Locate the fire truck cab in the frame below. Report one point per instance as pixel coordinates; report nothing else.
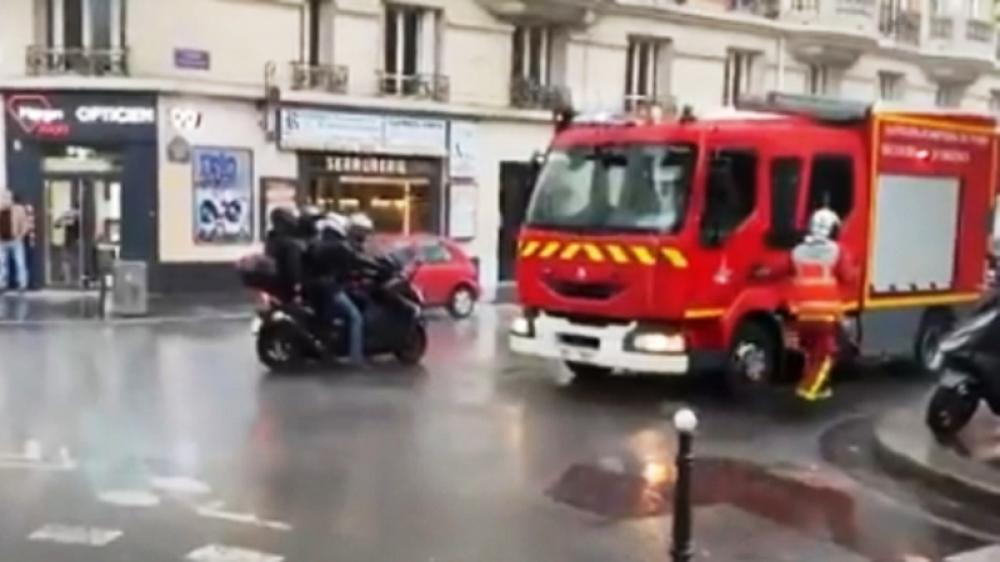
(657, 247)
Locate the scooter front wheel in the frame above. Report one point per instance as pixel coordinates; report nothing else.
(280, 349)
(950, 409)
(413, 348)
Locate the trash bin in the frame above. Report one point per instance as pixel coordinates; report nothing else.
(130, 293)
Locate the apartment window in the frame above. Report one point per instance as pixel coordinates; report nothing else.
(647, 70)
(411, 47)
(83, 24)
(739, 77)
(532, 52)
(890, 86)
(949, 95)
(820, 80)
(995, 101)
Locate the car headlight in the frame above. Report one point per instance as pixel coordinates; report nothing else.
(521, 326)
(658, 343)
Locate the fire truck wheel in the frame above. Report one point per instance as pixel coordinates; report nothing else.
(753, 360)
(936, 323)
(583, 373)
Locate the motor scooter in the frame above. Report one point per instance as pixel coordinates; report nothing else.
(968, 363)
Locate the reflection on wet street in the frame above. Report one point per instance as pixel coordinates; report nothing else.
(160, 442)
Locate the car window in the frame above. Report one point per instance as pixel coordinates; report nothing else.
(435, 252)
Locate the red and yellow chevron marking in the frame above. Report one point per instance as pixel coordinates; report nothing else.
(618, 254)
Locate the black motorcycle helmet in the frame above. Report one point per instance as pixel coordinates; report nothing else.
(308, 222)
(284, 221)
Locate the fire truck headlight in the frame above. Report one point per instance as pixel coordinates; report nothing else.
(658, 343)
(521, 326)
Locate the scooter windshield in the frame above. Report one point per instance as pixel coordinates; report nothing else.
(969, 329)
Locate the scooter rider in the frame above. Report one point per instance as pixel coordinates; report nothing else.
(284, 245)
(332, 260)
(359, 228)
(820, 266)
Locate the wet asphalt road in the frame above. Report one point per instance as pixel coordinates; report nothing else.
(477, 457)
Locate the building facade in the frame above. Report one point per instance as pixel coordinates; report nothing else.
(166, 131)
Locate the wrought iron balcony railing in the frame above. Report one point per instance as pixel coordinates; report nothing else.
(435, 87)
(42, 60)
(526, 93)
(323, 77)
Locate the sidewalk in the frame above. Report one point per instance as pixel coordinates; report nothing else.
(59, 307)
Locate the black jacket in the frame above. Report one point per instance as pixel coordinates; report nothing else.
(288, 253)
(330, 262)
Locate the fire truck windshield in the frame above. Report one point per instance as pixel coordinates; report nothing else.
(634, 188)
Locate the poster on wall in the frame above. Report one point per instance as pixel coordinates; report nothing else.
(462, 208)
(276, 193)
(223, 191)
(463, 149)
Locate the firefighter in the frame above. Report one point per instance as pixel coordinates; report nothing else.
(820, 266)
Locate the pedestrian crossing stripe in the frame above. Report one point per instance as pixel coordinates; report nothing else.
(595, 252)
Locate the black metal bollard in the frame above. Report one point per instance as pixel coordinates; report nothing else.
(685, 422)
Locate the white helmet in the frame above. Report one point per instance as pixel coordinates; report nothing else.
(822, 223)
(333, 223)
(361, 222)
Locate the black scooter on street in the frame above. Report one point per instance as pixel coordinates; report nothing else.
(968, 362)
(292, 334)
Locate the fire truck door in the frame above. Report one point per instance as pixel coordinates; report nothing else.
(728, 234)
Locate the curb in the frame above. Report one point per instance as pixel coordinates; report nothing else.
(112, 322)
(904, 446)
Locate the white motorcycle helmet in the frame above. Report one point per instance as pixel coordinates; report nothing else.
(359, 227)
(823, 223)
(333, 225)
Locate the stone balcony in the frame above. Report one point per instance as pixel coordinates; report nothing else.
(831, 32)
(563, 12)
(958, 49)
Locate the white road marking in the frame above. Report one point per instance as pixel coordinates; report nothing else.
(129, 498)
(73, 534)
(215, 510)
(222, 553)
(31, 458)
(180, 485)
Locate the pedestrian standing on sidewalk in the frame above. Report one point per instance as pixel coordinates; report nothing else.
(13, 232)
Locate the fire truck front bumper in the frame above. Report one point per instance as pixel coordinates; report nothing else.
(618, 347)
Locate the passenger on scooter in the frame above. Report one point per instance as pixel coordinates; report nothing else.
(359, 228)
(332, 260)
(287, 249)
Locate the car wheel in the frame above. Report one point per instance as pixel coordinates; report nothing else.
(752, 364)
(462, 302)
(935, 325)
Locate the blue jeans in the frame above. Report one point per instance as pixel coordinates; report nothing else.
(356, 324)
(13, 251)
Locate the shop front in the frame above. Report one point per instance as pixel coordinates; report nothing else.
(391, 168)
(86, 163)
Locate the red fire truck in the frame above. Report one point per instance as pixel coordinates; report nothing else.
(647, 246)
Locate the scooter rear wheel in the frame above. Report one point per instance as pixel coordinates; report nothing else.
(950, 409)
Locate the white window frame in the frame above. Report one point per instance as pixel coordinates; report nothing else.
(819, 80)
(55, 20)
(656, 71)
(527, 33)
(740, 76)
(994, 108)
(428, 42)
(890, 86)
(949, 96)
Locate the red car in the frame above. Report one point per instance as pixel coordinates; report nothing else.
(446, 276)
